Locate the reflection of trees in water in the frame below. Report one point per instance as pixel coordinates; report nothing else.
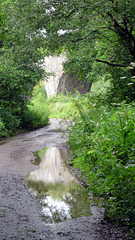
(59, 193)
(76, 205)
(55, 190)
(53, 213)
(57, 217)
(38, 187)
(79, 203)
(39, 156)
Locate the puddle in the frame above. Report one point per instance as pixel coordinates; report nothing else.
(39, 155)
(60, 195)
(2, 143)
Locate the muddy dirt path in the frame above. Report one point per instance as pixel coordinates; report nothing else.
(20, 213)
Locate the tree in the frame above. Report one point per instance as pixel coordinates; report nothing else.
(20, 55)
(105, 28)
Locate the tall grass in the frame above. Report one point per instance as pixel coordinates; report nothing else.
(62, 106)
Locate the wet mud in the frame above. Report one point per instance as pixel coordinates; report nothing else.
(20, 212)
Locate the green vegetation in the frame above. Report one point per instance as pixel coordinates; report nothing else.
(98, 38)
(103, 147)
(21, 43)
(63, 107)
(38, 110)
(102, 143)
(20, 52)
(32, 116)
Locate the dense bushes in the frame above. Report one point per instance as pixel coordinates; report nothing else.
(3, 131)
(35, 116)
(103, 147)
(15, 121)
(9, 122)
(27, 117)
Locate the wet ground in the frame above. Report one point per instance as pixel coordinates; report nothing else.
(23, 214)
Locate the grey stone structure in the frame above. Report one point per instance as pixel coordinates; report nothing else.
(58, 81)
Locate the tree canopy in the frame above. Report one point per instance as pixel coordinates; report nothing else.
(20, 55)
(98, 36)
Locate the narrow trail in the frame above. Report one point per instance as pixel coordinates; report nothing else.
(20, 213)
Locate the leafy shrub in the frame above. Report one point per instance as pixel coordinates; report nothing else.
(36, 115)
(18, 119)
(11, 122)
(39, 94)
(3, 132)
(103, 147)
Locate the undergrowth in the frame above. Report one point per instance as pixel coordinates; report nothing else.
(62, 106)
(102, 142)
(31, 116)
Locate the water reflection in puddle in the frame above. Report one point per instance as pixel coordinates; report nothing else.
(59, 193)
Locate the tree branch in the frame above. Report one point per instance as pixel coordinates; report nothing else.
(112, 64)
(70, 14)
